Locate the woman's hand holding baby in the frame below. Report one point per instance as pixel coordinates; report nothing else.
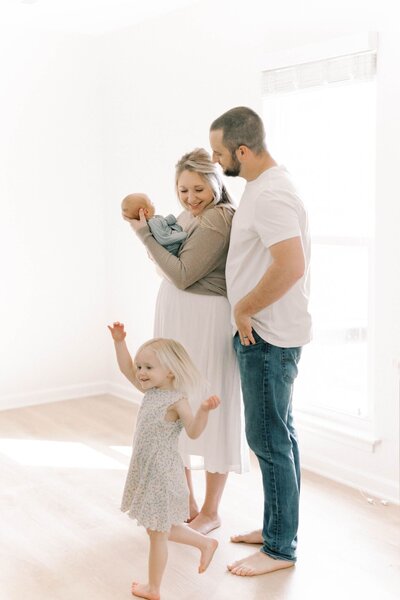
(137, 224)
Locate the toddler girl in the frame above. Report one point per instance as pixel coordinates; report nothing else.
(156, 492)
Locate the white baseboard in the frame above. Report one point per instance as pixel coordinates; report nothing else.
(367, 483)
(124, 392)
(68, 392)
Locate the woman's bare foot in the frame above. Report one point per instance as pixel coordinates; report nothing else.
(142, 590)
(193, 510)
(258, 564)
(207, 553)
(205, 523)
(192, 516)
(253, 537)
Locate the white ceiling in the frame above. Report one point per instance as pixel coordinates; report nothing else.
(84, 16)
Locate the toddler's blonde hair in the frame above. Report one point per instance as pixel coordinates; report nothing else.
(174, 357)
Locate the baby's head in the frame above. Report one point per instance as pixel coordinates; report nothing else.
(133, 203)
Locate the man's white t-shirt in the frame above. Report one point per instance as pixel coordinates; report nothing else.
(270, 211)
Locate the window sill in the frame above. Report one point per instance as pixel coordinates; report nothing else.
(363, 439)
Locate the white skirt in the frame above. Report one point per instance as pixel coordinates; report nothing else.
(202, 325)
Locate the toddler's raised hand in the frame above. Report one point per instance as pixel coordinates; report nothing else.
(117, 331)
(211, 403)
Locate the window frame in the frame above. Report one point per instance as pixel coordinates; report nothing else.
(335, 425)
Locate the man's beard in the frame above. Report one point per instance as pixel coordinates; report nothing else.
(234, 168)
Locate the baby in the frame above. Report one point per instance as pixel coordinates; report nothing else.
(166, 230)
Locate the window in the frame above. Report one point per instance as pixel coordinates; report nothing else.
(320, 122)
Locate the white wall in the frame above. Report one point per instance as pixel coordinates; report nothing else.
(142, 97)
(387, 291)
(52, 302)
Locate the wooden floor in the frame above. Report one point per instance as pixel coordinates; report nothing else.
(62, 536)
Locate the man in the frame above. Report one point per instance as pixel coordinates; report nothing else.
(267, 276)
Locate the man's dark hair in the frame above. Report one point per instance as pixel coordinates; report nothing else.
(241, 126)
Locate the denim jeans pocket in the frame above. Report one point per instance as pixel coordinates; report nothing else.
(258, 338)
(251, 347)
(289, 360)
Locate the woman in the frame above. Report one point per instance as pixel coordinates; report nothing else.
(192, 308)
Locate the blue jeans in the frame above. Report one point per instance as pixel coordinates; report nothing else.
(267, 374)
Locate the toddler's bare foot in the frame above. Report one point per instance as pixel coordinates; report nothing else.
(205, 523)
(253, 537)
(207, 553)
(142, 590)
(258, 564)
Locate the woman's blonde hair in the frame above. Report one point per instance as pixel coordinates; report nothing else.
(173, 356)
(199, 161)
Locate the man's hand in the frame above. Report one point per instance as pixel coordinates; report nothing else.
(243, 324)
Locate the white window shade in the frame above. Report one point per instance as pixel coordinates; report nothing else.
(353, 67)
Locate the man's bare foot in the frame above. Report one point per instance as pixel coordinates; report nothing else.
(204, 523)
(253, 537)
(258, 564)
(142, 590)
(207, 553)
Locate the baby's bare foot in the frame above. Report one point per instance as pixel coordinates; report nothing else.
(253, 537)
(258, 564)
(204, 523)
(207, 553)
(142, 590)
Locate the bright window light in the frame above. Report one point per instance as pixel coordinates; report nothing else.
(325, 136)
